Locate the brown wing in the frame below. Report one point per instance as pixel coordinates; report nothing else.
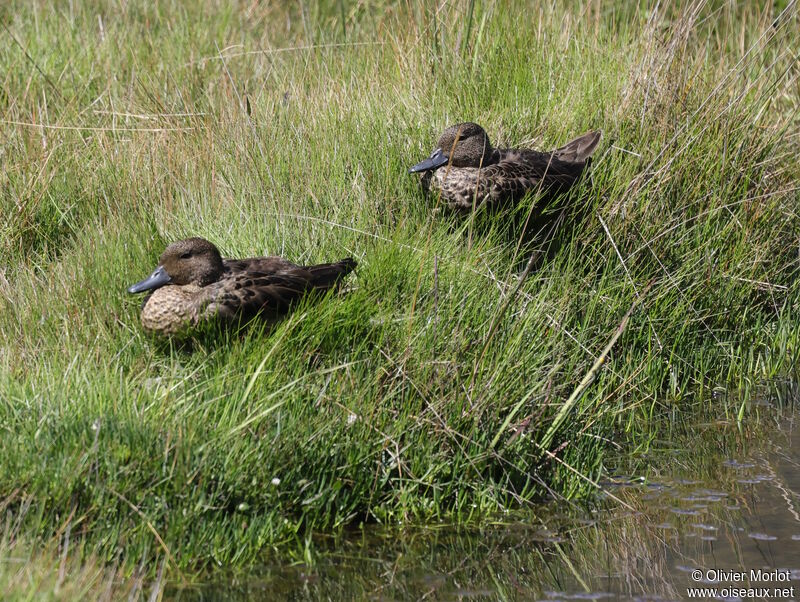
(269, 286)
(579, 149)
(265, 265)
(327, 275)
(519, 172)
(249, 293)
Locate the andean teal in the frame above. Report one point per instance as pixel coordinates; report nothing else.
(194, 284)
(468, 171)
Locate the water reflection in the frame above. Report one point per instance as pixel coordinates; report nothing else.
(724, 500)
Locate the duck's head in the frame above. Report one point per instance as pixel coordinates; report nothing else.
(189, 261)
(460, 145)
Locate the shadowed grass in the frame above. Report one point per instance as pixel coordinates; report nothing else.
(429, 390)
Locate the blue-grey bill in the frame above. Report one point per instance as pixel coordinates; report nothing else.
(158, 278)
(437, 159)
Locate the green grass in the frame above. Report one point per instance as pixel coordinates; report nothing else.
(289, 131)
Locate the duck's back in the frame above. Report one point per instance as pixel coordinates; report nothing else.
(268, 286)
(263, 265)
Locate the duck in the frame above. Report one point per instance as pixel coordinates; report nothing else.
(193, 284)
(469, 172)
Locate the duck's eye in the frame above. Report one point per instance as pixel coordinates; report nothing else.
(186, 255)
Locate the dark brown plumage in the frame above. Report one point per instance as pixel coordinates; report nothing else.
(193, 284)
(468, 171)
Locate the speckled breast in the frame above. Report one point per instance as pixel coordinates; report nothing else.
(460, 187)
(172, 309)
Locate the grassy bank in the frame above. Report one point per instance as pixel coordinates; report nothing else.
(443, 384)
(608, 550)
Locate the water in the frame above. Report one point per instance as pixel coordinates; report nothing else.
(722, 499)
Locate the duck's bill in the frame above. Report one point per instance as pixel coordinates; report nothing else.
(437, 159)
(158, 278)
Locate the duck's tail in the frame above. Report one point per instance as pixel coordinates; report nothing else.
(580, 149)
(326, 275)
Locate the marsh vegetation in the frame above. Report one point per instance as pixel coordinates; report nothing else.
(465, 372)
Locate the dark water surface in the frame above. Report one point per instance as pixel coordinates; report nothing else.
(720, 498)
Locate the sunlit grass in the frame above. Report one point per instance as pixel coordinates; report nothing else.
(424, 392)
